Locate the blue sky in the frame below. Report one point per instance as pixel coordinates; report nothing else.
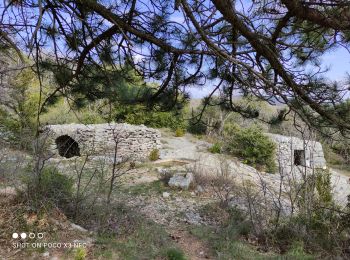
(339, 63)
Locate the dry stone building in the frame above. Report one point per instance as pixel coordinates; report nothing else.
(69, 140)
(295, 154)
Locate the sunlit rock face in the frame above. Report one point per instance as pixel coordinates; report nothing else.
(297, 155)
(70, 140)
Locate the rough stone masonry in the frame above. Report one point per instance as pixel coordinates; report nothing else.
(69, 140)
(295, 154)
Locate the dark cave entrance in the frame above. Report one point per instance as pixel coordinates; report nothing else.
(67, 146)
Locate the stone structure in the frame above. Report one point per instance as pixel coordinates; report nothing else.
(69, 140)
(295, 154)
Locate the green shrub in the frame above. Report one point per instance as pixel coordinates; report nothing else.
(179, 132)
(324, 186)
(50, 187)
(297, 252)
(197, 128)
(215, 148)
(80, 254)
(332, 158)
(175, 254)
(62, 113)
(138, 114)
(90, 117)
(230, 129)
(254, 147)
(154, 155)
(239, 221)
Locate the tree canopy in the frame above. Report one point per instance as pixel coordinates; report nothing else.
(270, 49)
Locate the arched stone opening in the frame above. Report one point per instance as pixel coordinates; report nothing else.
(67, 146)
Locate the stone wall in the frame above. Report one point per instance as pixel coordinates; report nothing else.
(132, 141)
(288, 148)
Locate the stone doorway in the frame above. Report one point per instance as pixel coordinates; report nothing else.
(299, 158)
(67, 146)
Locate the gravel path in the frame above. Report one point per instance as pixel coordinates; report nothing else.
(182, 148)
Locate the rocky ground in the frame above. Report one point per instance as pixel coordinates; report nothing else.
(191, 149)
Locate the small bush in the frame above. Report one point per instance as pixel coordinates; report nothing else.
(138, 114)
(285, 234)
(50, 187)
(254, 147)
(297, 252)
(230, 129)
(324, 186)
(197, 128)
(214, 213)
(239, 220)
(90, 117)
(175, 254)
(332, 158)
(223, 184)
(179, 132)
(154, 155)
(215, 148)
(202, 176)
(80, 254)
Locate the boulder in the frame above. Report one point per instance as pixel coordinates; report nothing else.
(199, 189)
(193, 218)
(77, 228)
(166, 194)
(182, 182)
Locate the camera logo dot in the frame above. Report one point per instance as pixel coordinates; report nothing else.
(23, 235)
(14, 235)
